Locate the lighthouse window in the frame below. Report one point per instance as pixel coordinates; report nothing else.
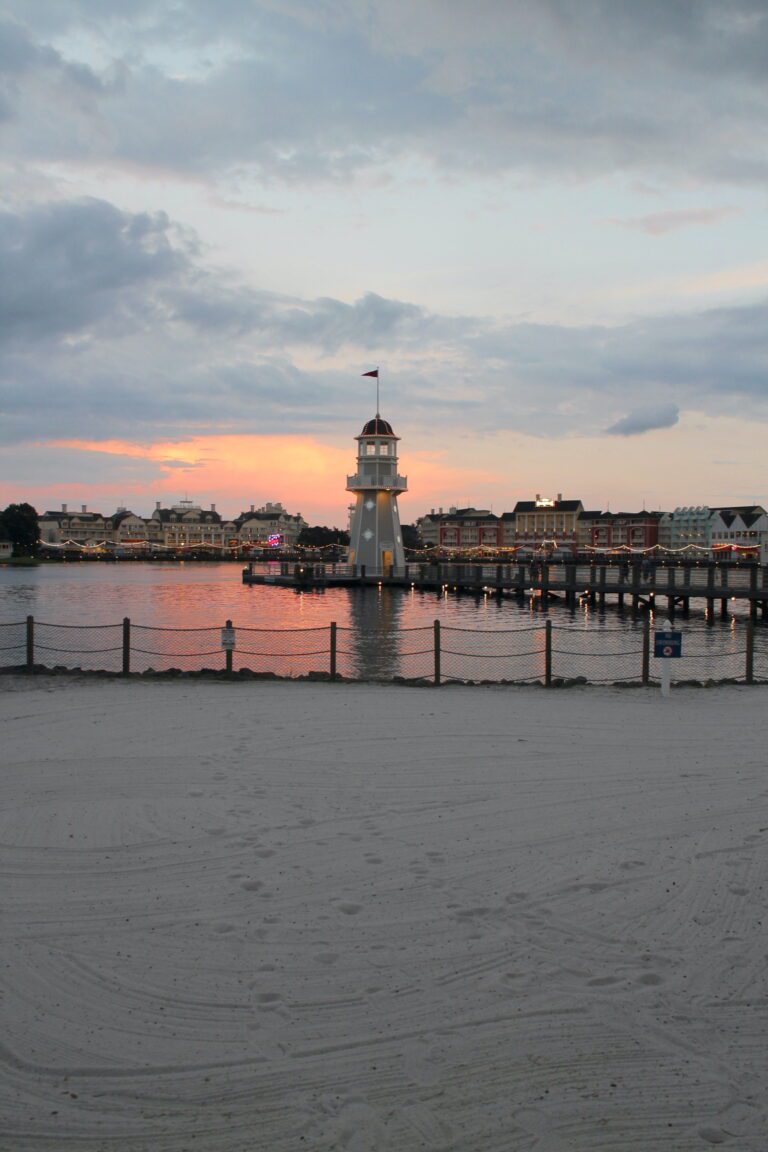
(384, 449)
(370, 449)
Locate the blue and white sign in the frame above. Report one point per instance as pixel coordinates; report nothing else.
(667, 645)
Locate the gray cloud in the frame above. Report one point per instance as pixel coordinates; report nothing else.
(112, 329)
(301, 91)
(67, 267)
(642, 420)
(59, 465)
(326, 324)
(659, 223)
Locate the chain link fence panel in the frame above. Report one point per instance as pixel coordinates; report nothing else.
(761, 662)
(13, 645)
(601, 657)
(77, 647)
(180, 649)
(381, 654)
(287, 652)
(501, 656)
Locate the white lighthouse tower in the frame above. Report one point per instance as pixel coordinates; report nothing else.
(375, 539)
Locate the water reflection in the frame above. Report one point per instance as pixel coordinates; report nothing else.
(371, 641)
(18, 600)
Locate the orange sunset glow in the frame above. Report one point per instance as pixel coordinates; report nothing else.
(305, 474)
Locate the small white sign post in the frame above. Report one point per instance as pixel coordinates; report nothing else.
(228, 644)
(667, 646)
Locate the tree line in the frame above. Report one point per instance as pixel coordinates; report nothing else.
(18, 526)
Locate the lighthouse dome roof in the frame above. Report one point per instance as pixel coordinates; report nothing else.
(377, 427)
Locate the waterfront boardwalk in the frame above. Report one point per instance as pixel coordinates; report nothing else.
(641, 586)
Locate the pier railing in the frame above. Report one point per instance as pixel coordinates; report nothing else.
(378, 480)
(543, 653)
(641, 585)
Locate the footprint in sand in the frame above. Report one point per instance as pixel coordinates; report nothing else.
(478, 913)
(713, 1135)
(650, 979)
(267, 998)
(349, 908)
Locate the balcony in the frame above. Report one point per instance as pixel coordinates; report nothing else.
(377, 483)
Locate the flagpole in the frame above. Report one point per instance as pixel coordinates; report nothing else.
(375, 372)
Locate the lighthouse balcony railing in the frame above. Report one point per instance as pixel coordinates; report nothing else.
(384, 483)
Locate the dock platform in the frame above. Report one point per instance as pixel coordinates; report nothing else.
(640, 585)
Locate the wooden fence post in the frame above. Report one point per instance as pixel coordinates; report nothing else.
(646, 673)
(126, 646)
(437, 652)
(30, 644)
(228, 653)
(548, 654)
(333, 649)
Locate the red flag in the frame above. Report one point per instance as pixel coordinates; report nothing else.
(374, 373)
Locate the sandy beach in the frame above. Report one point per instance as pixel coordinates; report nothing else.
(267, 916)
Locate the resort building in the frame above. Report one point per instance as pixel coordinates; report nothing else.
(461, 528)
(127, 528)
(545, 524)
(739, 530)
(711, 530)
(685, 527)
(269, 526)
(585, 529)
(186, 523)
(539, 525)
(83, 527)
(637, 531)
(427, 526)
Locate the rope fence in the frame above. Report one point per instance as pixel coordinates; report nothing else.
(433, 654)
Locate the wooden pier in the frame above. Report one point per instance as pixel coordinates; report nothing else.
(663, 587)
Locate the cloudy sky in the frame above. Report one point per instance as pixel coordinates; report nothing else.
(546, 222)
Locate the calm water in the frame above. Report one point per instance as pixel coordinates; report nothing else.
(382, 632)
